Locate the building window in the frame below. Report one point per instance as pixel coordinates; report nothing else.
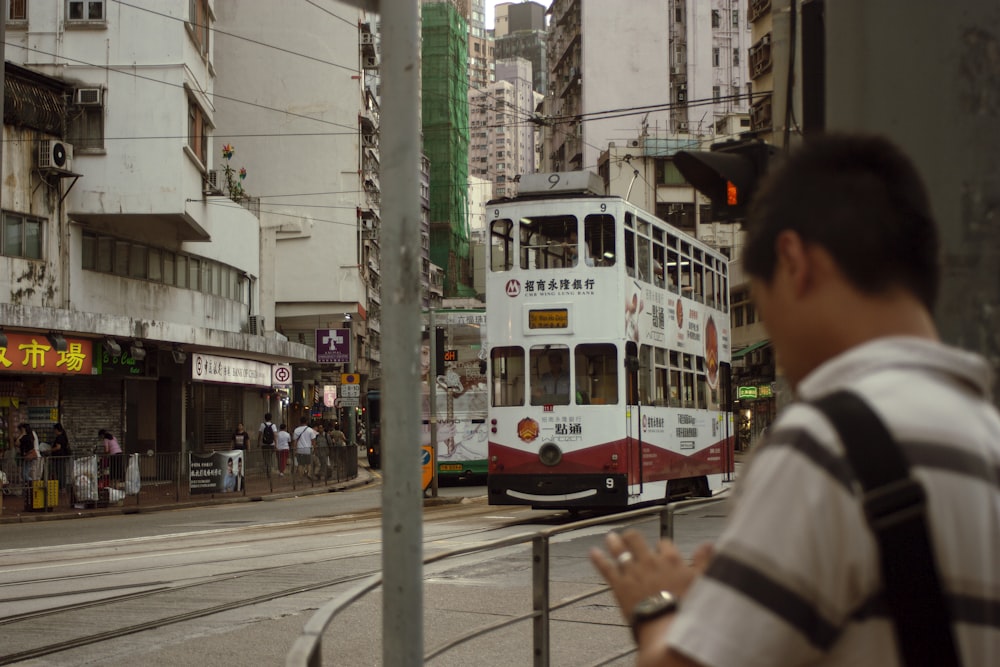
(86, 127)
(17, 10)
(197, 132)
(678, 14)
(85, 10)
(199, 25)
(105, 254)
(22, 236)
(716, 93)
(716, 58)
(736, 18)
(736, 56)
(716, 18)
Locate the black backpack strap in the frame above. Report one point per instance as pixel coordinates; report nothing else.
(895, 505)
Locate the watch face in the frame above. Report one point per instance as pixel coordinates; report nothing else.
(662, 602)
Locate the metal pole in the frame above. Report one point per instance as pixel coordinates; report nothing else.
(540, 600)
(3, 81)
(432, 398)
(402, 495)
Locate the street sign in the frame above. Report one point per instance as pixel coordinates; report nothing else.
(282, 375)
(344, 402)
(350, 391)
(350, 378)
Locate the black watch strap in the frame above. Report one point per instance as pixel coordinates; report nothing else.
(654, 606)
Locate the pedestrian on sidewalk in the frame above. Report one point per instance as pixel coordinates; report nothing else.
(320, 465)
(59, 454)
(241, 439)
(267, 442)
(114, 458)
(282, 440)
(303, 439)
(843, 258)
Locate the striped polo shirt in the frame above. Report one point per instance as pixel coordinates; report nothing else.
(795, 579)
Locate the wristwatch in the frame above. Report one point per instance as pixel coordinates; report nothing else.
(654, 606)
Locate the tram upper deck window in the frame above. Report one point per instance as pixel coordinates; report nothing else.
(642, 259)
(507, 376)
(599, 238)
(501, 245)
(548, 242)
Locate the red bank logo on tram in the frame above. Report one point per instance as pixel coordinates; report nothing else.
(513, 287)
(527, 429)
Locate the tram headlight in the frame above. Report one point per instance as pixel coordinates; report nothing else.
(550, 454)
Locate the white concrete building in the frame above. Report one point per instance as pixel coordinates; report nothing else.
(663, 66)
(309, 145)
(112, 243)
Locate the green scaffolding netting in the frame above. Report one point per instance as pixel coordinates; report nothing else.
(445, 107)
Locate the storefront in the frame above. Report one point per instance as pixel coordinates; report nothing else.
(35, 371)
(224, 392)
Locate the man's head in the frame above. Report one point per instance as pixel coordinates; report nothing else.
(267, 416)
(859, 198)
(841, 249)
(555, 362)
(303, 419)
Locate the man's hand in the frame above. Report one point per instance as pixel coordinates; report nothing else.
(635, 572)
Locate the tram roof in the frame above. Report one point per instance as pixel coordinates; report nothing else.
(560, 184)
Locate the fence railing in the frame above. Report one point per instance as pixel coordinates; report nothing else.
(307, 651)
(55, 483)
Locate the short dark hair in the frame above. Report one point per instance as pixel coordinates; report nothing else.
(303, 419)
(267, 416)
(862, 200)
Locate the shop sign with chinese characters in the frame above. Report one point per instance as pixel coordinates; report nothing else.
(33, 353)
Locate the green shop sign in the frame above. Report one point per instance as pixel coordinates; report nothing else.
(747, 392)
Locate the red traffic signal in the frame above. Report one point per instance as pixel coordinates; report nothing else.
(727, 175)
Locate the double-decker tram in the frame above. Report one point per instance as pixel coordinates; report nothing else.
(609, 350)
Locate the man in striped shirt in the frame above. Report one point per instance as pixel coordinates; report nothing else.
(843, 257)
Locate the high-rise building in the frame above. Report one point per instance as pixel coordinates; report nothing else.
(315, 146)
(520, 33)
(502, 138)
(612, 73)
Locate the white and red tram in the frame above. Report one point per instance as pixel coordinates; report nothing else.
(609, 346)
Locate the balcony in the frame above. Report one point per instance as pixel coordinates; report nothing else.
(760, 57)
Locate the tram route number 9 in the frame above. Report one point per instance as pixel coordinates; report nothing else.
(609, 482)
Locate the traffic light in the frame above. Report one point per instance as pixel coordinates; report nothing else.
(439, 344)
(727, 175)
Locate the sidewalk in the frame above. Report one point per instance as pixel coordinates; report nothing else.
(157, 496)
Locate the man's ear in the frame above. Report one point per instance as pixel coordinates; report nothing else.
(794, 260)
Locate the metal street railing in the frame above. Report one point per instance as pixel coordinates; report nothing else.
(308, 647)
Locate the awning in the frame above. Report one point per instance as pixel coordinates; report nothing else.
(750, 348)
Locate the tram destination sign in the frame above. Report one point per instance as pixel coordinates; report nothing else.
(548, 318)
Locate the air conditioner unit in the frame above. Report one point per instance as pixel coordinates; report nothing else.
(215, 181)
(682, 126)
(54, 155)
(371, 62)
(88, 97)
(255, 325)
(367, 38)
(675, 70)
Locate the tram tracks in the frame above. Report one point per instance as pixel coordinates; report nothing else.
(165, 602)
